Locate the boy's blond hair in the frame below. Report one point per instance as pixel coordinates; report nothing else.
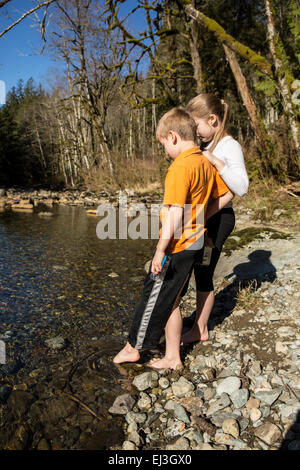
(177, 120)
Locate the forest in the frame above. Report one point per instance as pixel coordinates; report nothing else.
(127, 62)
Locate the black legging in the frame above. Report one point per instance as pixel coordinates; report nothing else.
(219, 227)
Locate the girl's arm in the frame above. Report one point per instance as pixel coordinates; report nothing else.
(233, 170)
(217, 204)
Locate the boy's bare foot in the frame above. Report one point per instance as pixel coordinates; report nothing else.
(194, 335)
(127, 354)
(164, 363)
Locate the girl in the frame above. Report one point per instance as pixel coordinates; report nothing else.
(225, 153)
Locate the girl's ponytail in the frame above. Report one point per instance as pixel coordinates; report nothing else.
(220, 134)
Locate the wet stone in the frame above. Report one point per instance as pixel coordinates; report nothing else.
(122, 404)
(145, 380)
(56, 343)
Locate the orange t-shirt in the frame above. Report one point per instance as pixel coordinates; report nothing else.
(189, 183)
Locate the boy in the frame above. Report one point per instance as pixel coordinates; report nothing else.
(189, 183)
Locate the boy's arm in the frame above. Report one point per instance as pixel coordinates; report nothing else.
(217, 204)
(171, 223)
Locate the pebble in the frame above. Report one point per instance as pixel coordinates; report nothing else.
(255, 414)
(181, 414)
(145, 380)
(268, 397)
(56, 343)
(269, 433)
(122, 404)
(253, 403)
(181, 444)
(239, 397)
(229, 385)
(230, 426)
(182, 387)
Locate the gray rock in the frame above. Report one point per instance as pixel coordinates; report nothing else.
(288, 412)
(144, 402)
(243, 423)
(265, 411)
(182, 386)
(239, 397)
(181, 444)
(268, 396)
(238, 444)
(122, 404)
(193, 435)
(229, 385)
(56, 343)
(145, 380)
(180, 413)
(163, 383)
(218, 404)
(175, 429)
(127, 445)
(132, 417)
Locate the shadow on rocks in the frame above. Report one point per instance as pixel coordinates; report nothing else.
(251, 275)
(291, 440)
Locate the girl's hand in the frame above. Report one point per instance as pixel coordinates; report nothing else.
(157, 261)
(210, 156)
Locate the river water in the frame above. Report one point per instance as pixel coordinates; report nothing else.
(55, 280)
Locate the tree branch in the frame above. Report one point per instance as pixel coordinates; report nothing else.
(29, 12)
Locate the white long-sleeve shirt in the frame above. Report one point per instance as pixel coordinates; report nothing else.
(234, 172)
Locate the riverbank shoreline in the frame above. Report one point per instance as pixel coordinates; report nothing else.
(255, 315)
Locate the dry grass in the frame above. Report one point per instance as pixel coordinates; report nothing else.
(266, 196)
(249, 298)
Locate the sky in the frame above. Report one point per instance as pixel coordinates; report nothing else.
(19, 48)
(20, 56)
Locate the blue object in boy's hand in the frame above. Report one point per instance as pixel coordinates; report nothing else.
(154, 276)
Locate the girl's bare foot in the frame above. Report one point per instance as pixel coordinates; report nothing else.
(127, 354)
(164, 363)
(194, 335)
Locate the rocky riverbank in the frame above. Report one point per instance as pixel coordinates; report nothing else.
(29, 199)
(239, 390)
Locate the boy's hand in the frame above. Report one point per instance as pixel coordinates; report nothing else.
(157, 261)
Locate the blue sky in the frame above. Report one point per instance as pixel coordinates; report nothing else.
(19, 48)
(19, 57)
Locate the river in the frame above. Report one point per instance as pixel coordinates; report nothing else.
(58, 278)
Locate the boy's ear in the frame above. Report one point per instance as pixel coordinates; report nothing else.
(173, 137)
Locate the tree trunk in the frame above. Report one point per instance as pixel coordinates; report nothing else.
(244, 51)
(196, 61)
(257, 123)
(273, 40)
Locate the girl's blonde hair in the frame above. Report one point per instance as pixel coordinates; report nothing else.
(205, 104)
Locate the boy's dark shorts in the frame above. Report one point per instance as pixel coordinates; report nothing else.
(158, 298)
